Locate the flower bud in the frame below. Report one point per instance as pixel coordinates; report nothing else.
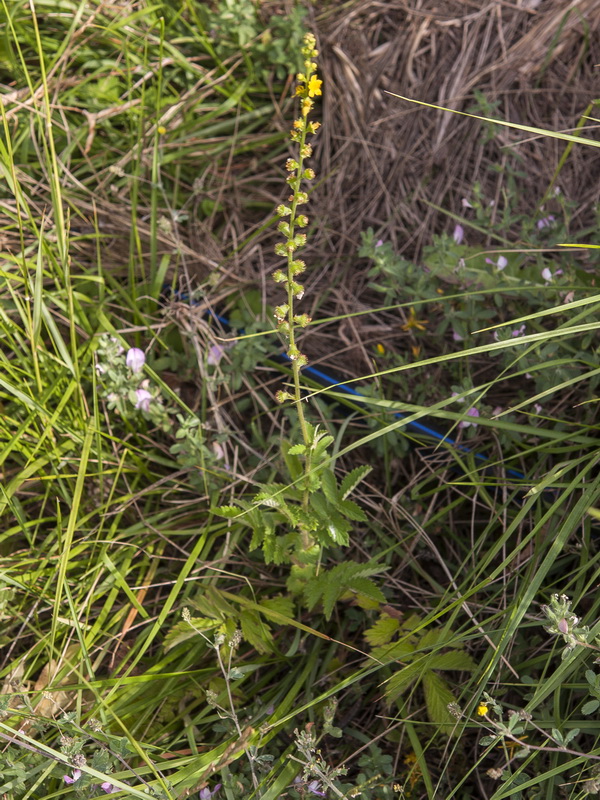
(302, 221)
(283, 211)
(291, 164)
(279, 276)
(309, 174)
(282, 396)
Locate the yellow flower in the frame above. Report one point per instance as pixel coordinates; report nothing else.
(380, 349)
(413, 322)
(482, 709)
(314, 86)
(161, 129)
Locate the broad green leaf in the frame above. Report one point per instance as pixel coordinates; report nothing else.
(383, 631)
(437, 698)
(329, 484)
(402, 680)
(455, 659)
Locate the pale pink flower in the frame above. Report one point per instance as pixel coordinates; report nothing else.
(459, 234)
(143, 399)
(472, 412)
(135, 359)
(76, 775)
(379, 243)
(499, 264)
(545, 222)
(465, 203)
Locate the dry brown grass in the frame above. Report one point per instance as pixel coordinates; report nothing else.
(388, 161)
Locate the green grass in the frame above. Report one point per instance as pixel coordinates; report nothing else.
(121, 125)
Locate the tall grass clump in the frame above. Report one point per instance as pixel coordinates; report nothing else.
(218, 577)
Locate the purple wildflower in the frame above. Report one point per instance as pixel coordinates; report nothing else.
(549, 276)
(456, 336)
(314, 788)
(499, 264)
(143, 399)
(76, 775)
(545, 222)
(108, 787)
(472, 412)
(458, 234)
(135, 359)
(206, 794)
(514, 333)
(215, 354)
(465, 203)
(379, 243)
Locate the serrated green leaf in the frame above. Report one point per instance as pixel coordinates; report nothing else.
(402, 680)
(455, 659)
(398, 651)
(227, 511)
(282, 604)
(367, 587)
(352, 479)
(182, 631)
(297, 450)
(437, 698)
(383, 631)
(329, 484)
(256, 631)
(320, 505)
(351, 510)
(331, 594)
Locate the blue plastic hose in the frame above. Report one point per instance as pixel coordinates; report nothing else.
(329, 381)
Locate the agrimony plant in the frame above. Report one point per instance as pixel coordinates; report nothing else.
(293, 522)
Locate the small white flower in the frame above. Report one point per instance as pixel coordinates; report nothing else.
(143, 399)
(135, 359)
(465, 203)
(547, 274)
(500, 264)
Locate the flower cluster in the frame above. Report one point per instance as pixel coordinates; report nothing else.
(125, 388)
(129, 394)
(564, 623)
(106, 787)
(309, 86)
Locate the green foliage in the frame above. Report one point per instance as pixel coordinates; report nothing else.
(423, 654)
(293, 523)
(236, 28)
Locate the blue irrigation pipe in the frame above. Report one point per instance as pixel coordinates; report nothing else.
(329, 381)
